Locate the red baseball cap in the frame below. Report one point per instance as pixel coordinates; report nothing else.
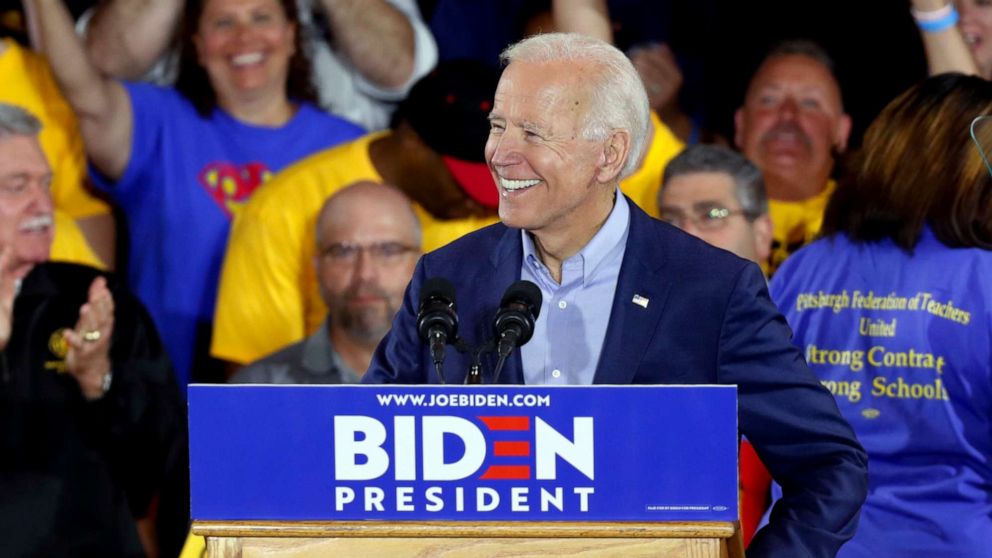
(474, 178)
(449, 110)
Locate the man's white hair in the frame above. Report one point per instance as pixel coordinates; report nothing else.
(619, 101)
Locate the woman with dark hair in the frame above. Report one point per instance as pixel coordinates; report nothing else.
(893, 309)
(194, 80)
(180, 161)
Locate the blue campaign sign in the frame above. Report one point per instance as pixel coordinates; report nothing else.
(463, 453)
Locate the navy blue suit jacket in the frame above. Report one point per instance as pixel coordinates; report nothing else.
(709, 320)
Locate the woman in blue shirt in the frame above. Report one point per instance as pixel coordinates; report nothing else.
(893, 311)
(180, 161)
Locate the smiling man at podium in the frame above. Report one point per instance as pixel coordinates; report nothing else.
(626, 299)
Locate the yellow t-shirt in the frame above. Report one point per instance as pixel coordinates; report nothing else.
(69, 244)
(795, 224)
(643, 185)
(268, 296)
(28, 83)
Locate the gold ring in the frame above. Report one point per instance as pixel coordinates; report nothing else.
(92, 336)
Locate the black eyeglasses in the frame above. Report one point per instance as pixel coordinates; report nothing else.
(381, 252)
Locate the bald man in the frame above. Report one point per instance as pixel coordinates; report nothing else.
(368, 240)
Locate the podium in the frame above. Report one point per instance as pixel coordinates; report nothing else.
(455, 471)
(456, 540)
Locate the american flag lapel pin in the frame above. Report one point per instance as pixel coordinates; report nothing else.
(640, 301)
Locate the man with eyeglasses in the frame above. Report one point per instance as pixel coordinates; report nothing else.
(267, 297)
(367, 243)
(718, 195)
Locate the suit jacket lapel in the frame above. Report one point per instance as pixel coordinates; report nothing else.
(633, 323)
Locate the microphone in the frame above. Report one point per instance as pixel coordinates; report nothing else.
(514, 323)
(437, 321)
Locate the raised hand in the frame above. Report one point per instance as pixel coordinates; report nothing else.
(660, 73)
(88, 359)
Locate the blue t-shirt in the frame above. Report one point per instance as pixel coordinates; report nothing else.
(903, 343)
(185, 177)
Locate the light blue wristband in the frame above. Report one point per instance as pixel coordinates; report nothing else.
(938, 25)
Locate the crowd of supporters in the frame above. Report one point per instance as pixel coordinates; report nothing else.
(263, 174)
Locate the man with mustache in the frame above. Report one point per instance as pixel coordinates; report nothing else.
(792, 125)
(92, 435)
(368, 240)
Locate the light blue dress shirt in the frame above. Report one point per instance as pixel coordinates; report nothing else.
(569, 333)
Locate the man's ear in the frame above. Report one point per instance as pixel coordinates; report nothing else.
(762, 227)
(738, 126)
(616, 150)
(842, 132)
(293, 30)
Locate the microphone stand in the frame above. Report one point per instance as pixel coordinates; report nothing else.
(499, 367)
(504, 346)
(437, 354)
(474, 376)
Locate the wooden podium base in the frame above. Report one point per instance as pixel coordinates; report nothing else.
(370, 539)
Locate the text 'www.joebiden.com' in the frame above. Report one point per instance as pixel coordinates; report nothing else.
(462, 400)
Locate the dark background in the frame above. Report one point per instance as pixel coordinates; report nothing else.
(875, 44)
(719, 43)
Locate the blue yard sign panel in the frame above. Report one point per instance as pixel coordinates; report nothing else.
(463, 453)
